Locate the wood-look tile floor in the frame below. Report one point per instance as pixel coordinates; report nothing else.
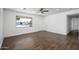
(41, 41)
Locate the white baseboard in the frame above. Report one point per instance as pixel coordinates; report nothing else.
(20, 34)
(57, 32)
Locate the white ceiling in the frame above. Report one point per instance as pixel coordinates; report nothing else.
(36, 11)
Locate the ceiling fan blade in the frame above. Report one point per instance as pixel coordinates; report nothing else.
(24, 8)
(41, 9)
(42, 12)
(45, 11)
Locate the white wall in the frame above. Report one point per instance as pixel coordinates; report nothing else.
(58, 22)
(53, 23)
(10, 24)
(1, 26)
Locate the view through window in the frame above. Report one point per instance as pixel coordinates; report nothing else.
(22, 21)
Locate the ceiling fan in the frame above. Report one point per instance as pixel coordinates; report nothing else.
(43, 10)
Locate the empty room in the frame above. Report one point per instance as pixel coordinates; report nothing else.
(39, 28)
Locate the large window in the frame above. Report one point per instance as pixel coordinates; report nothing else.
(22, 21)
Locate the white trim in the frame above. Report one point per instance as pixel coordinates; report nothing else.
(57, 32)
(1, 41)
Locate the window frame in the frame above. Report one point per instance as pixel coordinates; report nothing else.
(27, 25)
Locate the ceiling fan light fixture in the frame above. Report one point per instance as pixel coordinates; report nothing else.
(43, 10)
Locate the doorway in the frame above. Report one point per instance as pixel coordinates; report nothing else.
(73, 25)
